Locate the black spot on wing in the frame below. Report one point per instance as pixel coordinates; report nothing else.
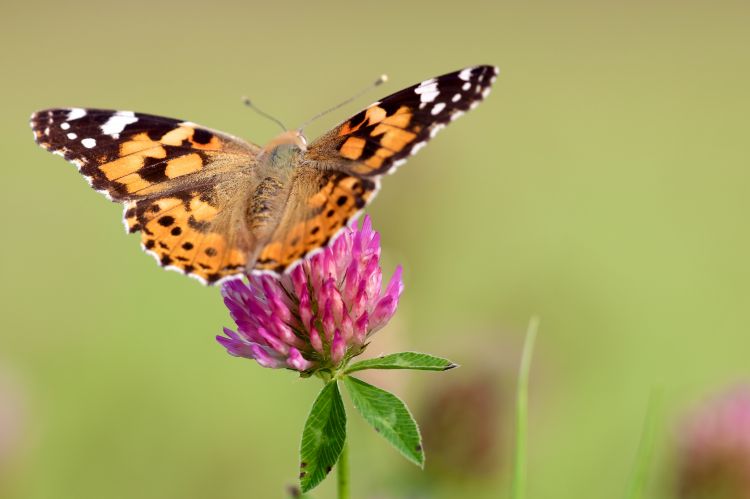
(166, 221)
(153, 170)
(201, 136)
(199, 225)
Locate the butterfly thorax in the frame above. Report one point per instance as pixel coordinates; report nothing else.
(275, 169)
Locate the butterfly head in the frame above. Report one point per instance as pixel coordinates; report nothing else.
(289, 140)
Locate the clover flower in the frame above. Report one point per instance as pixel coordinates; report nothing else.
(714, 451)
(320, 314)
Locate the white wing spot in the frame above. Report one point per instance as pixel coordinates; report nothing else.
(398, 163)
(486, 92)
(427, 91)
(117, 123)
(436, 129)
(456, 98)
(457, 115)
(89, 143)
(417, 147)
(76, 113)
(46, 131)
(437, 108)
(466, 86)
(465, 74)
(72, 136)
(65, 125)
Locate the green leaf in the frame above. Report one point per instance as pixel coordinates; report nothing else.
(404, 360)
(389, 416)
(323, 437)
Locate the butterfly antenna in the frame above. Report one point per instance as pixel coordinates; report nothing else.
(249, 103)
(382, 79)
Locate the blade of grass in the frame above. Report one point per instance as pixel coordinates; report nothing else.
(518, 490)
(639, 478)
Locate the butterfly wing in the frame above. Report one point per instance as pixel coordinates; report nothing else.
(381, 137)
(320, 204)
(339, 174)
(174, 177)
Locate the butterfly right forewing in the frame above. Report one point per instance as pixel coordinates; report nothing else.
(381, 137)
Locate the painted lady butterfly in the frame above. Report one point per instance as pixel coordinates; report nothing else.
(214, 206)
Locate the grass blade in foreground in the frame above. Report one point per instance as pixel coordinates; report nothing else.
(639, 479)
(389, 416)
(404, 360)
(518, 490)
(323, 437)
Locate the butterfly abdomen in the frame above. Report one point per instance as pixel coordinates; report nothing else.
(265, 201)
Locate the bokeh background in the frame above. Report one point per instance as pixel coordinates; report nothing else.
(603, 185)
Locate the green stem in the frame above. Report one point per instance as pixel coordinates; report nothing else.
(342, 468)
(518, 490)
(639, 479)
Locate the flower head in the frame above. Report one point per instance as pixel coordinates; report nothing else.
(318, 315)
(714, 460)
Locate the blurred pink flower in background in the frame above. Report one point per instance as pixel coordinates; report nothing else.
(461, 423)
(12, 427)
(321, 313)
(714, 449)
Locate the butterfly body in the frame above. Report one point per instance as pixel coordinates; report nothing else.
(214, 206)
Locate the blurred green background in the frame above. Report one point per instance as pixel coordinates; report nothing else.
(603, 185)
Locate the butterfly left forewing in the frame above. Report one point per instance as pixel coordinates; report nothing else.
(176, 180)
(127, 155)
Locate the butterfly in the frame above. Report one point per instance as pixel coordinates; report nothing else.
(214, 206)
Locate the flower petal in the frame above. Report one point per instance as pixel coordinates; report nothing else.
(297, 361)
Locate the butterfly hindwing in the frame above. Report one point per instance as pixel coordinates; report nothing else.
(381, 137)
(321, 204)
(186, 232)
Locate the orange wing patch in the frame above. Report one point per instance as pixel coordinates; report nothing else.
(178, 232)
(385, 134)
(373, 140)
(392, 134)
(314, 221)
(137, 162)
(143, 162)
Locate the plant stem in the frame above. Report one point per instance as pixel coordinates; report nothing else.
(518, 490)
(639, 479)
(342, 468)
